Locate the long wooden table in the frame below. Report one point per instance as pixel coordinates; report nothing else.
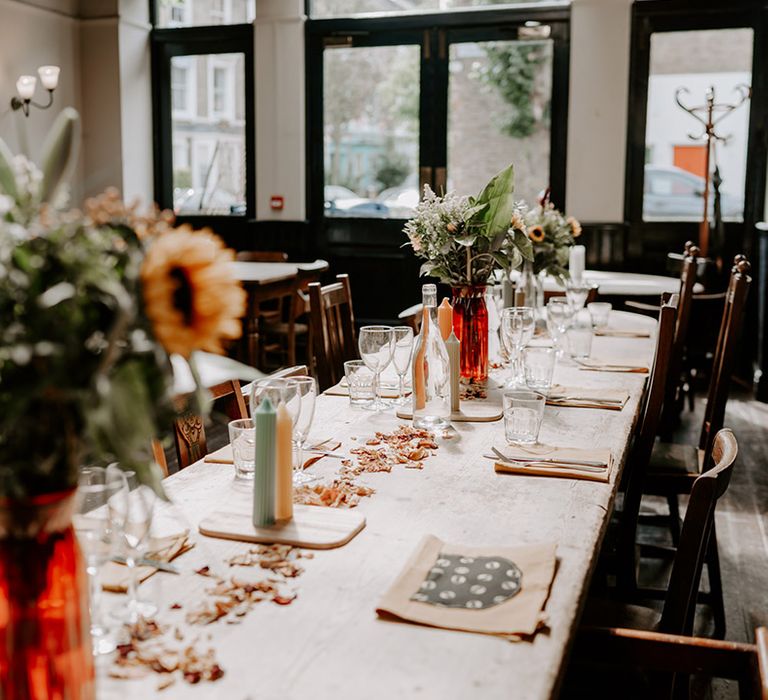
(329, 643)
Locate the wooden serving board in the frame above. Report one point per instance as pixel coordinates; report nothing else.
(469, 412)
(313, 527)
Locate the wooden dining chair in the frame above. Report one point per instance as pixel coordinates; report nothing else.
(261, 256)
(285, 373)
(282, 334)
(625, 651)
(333, 329)
(682, 593)
(673, 468)
(673, 398)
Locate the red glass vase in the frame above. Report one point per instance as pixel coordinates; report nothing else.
(45, 644)
(470, 324)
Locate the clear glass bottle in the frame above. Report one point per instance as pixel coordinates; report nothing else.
(431, 369)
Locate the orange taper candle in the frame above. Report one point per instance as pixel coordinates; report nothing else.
(284, 468)
(445, 318)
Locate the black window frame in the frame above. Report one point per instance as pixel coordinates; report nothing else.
(167, 43)
(392, 29)
(650, 241)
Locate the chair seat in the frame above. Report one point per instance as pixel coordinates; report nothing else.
(672, 459)
(612, 613)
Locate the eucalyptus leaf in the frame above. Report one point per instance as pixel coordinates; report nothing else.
(7, 173)
(498, 194)
(59, 152)
(467, 241)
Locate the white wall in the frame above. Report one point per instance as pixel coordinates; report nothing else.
(597, 113)
(32, 36)
(280, 109)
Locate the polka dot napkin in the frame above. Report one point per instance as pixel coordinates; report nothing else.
(499, 591)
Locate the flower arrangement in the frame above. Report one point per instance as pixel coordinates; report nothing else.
(463, 240)
(92, 305)
(552, 235)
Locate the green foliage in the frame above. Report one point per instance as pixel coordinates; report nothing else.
(513, 70)
(551, 255)
(393, 168)
(464, 239)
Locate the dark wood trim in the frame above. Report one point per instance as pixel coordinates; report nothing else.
(191, 41)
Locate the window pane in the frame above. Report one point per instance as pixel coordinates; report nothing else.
(208, 131)
(371, 121)
(676, 163)
(349, 8)
(196, 13)
(499, 98)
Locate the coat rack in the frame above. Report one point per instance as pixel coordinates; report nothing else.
(709, 116)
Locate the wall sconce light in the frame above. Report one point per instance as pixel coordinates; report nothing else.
(25, 86)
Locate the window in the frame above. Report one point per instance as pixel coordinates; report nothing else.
(694, 62)
(203, 94)
(350, 8)
(200, 13)
(686, 55)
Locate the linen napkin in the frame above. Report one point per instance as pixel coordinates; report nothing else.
(499, 591)
(623, 333)
(549, 466)
(115, 577)
(583, 397)
(594, 364)
(224, 454)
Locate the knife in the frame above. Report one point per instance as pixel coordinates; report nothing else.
(589, 465)
(154, 563)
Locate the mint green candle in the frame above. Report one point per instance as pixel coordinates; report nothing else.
(264, 465)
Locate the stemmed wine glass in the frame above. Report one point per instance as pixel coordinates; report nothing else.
(518, 324)
(135, 513)
(99, 528)
(401, 358)
(307, 392)
(376, 346)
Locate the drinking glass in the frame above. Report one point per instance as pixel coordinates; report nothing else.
(523, 413)
(577, 293)
(242, 437)
(558, 319)
(401, 358)
(539, 365)
(359, 382)
(376, 345)
(307, 390)
(518, 324)
(278, 391)
(135, 513)
(580, 335)
(98, 529)
(600, 312)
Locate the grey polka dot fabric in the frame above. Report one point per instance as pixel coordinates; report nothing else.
(474, 583)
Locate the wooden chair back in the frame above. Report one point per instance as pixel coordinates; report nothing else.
(333, 329)
(687, 281)
(683, 589)
(725, 353)
(642, 444)
(189, 427)
(285, 373)
(261, 256)
(621, 649)
(591, 295)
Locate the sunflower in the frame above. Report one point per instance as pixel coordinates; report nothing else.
(575, 226)
(189, 292)
(536, 234)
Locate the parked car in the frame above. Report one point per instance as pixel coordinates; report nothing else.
(674, 193)
(341, 201)
(401, 201)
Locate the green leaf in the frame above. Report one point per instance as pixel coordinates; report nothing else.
(7, 174)
(498, 194)
(59, 152)
(473, 211)
(467, 241)
(524, 245)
